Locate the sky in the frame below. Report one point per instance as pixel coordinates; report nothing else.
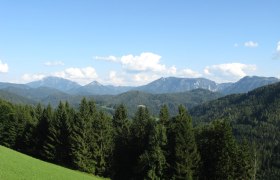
(132, 43)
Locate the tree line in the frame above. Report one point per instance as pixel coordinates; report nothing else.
(144, 147)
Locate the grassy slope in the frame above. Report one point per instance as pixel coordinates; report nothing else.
(14, 165)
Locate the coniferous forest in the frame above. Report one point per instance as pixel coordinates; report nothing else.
(118, 147)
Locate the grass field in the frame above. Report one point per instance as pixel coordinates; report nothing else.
(14, 165)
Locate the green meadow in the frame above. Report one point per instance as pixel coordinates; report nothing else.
(15, 165)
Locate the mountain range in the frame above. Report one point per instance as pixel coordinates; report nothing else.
(53, 89)
(159, 86)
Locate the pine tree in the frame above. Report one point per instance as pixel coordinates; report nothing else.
(103, 146)
(121, 152)
(81, 152)
(8, 125)
(153, 161)
(57, 146)
(183, 155)
(164, 115)
(140, 139)
(42, 130)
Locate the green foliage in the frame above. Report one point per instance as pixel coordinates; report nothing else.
(221, 156)
(254, 116)
(145, 147)
(153, 161)
(80, 147)
(183, 157)
(121, 151)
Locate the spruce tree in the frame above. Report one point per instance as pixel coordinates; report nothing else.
(103, 146)
(183, 155)
(57, 146)
(8, 125)
(164, 115)
(121, 152)
(42, 130)
(140, 138)
(81, 152)
(153, 162)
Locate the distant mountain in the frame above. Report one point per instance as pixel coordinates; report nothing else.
(159, 86)
(133, 99)
(55, 83)
(14, 98)
(173, 84)
(20, 86)
(96, 88)
(247, 84)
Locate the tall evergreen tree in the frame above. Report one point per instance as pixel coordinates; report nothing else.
(8, 125)
(140, 138)
(103, 135)
(153, 161)
(121, 152)
(183, 155)
(42, 130)
(80, 151)
(164, 115)
(57, 146)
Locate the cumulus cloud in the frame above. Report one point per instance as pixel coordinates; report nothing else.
(228, 72)
(189, 73)
(32, 77)
(251, 44)
(106, 58)
(4, 68)
(54, 63)
(144, 62)
(142, 69)
(115, 79)
(144, 78)
(278, 47)
(80, 75)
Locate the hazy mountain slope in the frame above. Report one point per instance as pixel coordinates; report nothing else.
(55, 83)
(254, 115)
(95, 88)
(133, 99)
(247, 84)
(173, 84)
(14, 98)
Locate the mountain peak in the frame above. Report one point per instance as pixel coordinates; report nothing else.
(55, 83)
(94, 83)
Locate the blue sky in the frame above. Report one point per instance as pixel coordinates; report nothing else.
(135, 42)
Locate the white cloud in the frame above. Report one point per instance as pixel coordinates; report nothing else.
(32, 77)
(143, 78)
(251, 44)
(4, 68)
(80, 75)
(277, 53)
(145, 62)
(172, 70)
(115, 79)
(54, 63)
(189, 73)
(228, 72)
(108, 58)
(142, 69)
(278, 47)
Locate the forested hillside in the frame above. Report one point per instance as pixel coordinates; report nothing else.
(154, 102)
(254, 116)
(143, 147)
